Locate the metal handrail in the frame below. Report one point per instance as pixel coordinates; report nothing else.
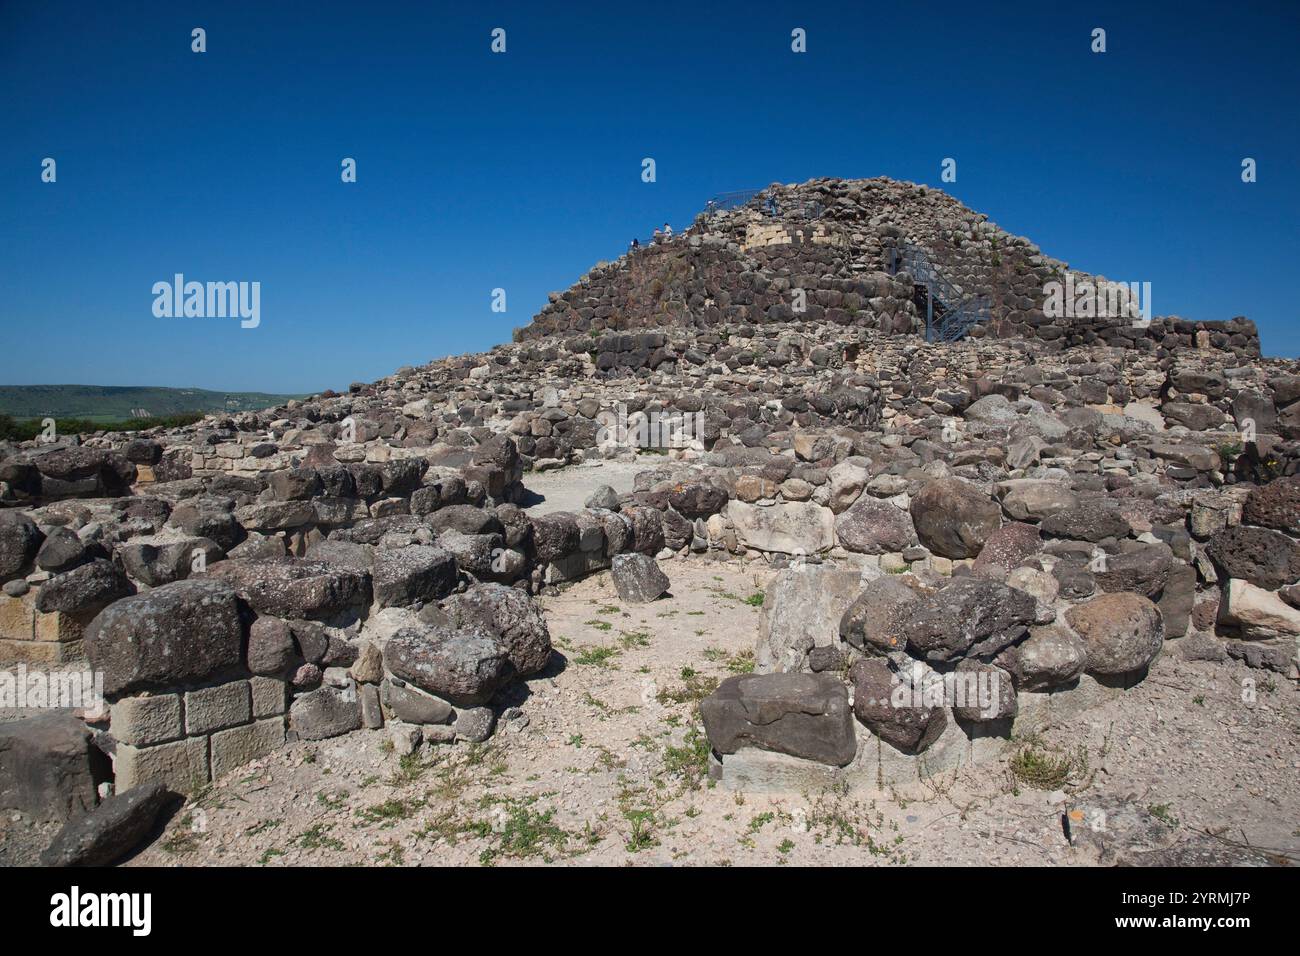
(958, 312)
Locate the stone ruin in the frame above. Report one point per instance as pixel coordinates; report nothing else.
(970, 536)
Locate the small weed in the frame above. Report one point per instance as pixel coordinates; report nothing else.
(598, 656)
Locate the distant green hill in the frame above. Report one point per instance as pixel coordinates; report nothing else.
(114, 403)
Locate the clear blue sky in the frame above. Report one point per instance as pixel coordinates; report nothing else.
(521, 170)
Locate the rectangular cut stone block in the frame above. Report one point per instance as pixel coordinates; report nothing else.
(40, 652)
(240, 745)
(147, 721)
(574, 566)
(216, 708)
(181, 766)
(751, 770)
(17, 618)
(270, 697)
(57, 626)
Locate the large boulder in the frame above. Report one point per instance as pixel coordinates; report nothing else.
(953, 518)
(803, 715)
(875, 621)
(697, 499)
(186, 632)
(19, 541)
(211, 517)
(1258, 614)
(894, 708)
(555, 535)
(873, 526)
(465, 667)
(295, 588)
(1275, 505)
(801, 609)
(1033, 499)
(1266, 558)
(161, 559)
(1050, 657)
(82, 472)
(111, 830)
(1142, 569)
(1122, 632)
(638, 578)
(508, 613)
(325, 712)
(84, 590)
(800, 527)
(1091, 520)
(49, 768)
(63, 550)
(971, 617)
(419, 573)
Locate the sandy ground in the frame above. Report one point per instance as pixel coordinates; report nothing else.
(566, 489)
(608, 766)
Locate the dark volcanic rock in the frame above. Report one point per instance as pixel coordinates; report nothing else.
(48, 767)
(875, 621)
(508, 613)
(1275, 505)
(403, 576)
(84, 590)
(1091, 520)
(1266, 558)
(890, 708)
(323, 713)
(19, 541)
(295, 588)
(953, 518)
(638, 578)
(464, 667)
(111, 830)
(63, 550)
(187, 632)
(873, 526)
(803, 715)
(970, 617)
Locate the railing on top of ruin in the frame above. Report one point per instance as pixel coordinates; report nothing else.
(769, 205)
(958, 313)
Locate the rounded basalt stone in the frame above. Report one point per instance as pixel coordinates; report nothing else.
(186, 632)
(1121, 633)
(898, 715)
(953, 518)
(86, 589)
(464, 667)
(506, 612)
(19, 541)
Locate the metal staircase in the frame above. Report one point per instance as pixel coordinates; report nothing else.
(949, 313)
